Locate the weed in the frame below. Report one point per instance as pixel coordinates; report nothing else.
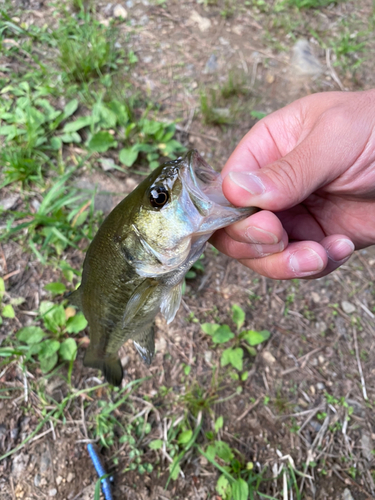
(211, 114)
(310, 4)
(246, 339)
(86, 48)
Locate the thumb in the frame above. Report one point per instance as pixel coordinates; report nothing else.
(319, 159)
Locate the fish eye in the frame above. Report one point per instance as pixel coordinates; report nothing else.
(158, 196)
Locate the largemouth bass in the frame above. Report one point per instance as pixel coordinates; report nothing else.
(136, 263)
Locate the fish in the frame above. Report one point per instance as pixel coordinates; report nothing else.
(136, 263)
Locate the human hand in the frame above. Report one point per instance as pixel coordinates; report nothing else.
(310, 167)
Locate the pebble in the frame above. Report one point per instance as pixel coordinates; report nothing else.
(37, 479)
(320, 386)
(211, 64)
(303, 59)
(366, 443)
(8, 203)
(348, 307)
(208, 356)
(268, 358)
(203, 22)
(52, 492)
(347, 495)
(70, 477)
(107, 164)
(315, 297)
(129, 4)
(120, 12)
(59, 480)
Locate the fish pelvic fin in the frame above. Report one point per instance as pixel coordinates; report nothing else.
(138, 299)
(171, 302)
(111, 367)
(74, 298)
(145, 345)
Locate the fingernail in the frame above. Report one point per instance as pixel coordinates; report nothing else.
(305, 261)
(262, 253)
(248, 181)
(260, 236)
(340, 249)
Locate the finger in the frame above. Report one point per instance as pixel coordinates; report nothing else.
(238, 250)
(313, 163)
(298, 260)
(262, 228)
(300, 224)
(339, 249)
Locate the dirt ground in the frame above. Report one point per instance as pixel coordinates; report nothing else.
(322, 331)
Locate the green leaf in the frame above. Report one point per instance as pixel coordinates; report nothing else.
(56, 288)
(255, 338)
(219, 423)
(30, 334)
(240, 490)
(76, 323)
(238, 316)
(55, 143)
(70, 108)
(68, 350)
(48, 348)
(223, 487)
(258, 115)
(174, 469)
(210, 328)
(2, 288)
(108, 118)
(101, 142)
(223, 451)
(128, 156)
(53, 315)
(48, 362)
(222, 335)
(156, 444)
(185, 436)
(8, 311)
(72, 137)
(78, 124)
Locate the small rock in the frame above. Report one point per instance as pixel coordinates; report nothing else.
(37, 479)
(52, 492)
(107, 164)
(315, 297)
(129, 4)
(303, 59)
(320, 386)
(208, 356)
(366, 443)
(268, 358)
(19, 464)
(161, 345)
(321, 359)
(120, 12)
(347, 495)
(108, 10)
(8, 203)
(70, 477)
(144, 20)
(203, 22)
(147, 59)
(58, 480)
(45, 462)
(348, 307)
(211, 64)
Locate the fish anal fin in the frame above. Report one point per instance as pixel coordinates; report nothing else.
(138, 299)
(145, 345)
(111, 367)
(170, 303)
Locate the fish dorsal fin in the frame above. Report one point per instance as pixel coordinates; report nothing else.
(170, 302)
(138, 299)
(145, 345)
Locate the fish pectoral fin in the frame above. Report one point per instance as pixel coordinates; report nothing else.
(74, 298)
(138, 299)
(111, 367)
(170, 302)
(145, 345)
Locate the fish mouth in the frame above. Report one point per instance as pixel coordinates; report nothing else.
(204, 186)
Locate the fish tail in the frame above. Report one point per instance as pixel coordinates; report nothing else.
(111, 367)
